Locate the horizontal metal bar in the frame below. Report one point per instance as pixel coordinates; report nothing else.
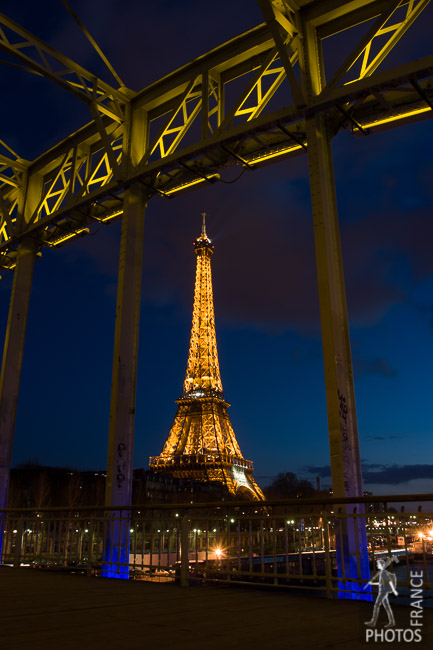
(385, 498)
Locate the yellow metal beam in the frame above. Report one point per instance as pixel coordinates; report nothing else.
(93, 43)
(388, 23)
(275, 20)
(124, 379)
(13, 358)
(71, 76)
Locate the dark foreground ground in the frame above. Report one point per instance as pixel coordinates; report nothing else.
(62, 611)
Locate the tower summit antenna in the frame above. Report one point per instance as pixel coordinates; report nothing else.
(203, 229)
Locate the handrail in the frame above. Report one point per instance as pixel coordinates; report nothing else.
(387, 498)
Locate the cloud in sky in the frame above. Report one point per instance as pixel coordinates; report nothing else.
(381, 474)
(382, 437)
(377, 366)
(264, 268)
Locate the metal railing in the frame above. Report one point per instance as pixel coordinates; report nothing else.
(297, 544)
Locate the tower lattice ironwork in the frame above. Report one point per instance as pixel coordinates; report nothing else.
(201, 445)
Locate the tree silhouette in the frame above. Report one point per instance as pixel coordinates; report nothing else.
(286, 485)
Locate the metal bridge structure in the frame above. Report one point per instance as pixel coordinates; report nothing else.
(180, 133)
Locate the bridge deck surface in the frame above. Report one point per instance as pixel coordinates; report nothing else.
(62, 611)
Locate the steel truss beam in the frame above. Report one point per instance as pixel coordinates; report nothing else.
(44, 60)
(210, 114)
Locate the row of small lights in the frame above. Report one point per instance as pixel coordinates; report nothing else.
(376, 523)
(292, 521)
(29, 530)
(197, 530)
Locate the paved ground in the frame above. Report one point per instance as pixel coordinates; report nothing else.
(63, 611)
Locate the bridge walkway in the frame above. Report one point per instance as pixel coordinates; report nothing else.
(49, 611)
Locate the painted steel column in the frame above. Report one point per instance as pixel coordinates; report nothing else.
(351, 539)
(13, 359)
(124, 378)
(346, 472)
(124, 382)
(340, 393)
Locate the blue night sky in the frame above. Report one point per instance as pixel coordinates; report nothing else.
(264, 275)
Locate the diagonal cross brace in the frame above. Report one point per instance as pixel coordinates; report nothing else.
(4, 210)
(379, 26)
(276, 20)
(86, 84)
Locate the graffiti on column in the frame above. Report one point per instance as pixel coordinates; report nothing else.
(121, 464)
(345, 439)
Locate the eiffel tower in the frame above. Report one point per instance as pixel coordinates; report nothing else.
(201, 445)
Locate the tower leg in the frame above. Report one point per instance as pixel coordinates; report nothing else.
(352, 549)
(124, 382)
(12, 363)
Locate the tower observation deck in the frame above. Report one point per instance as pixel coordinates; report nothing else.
(201, 445)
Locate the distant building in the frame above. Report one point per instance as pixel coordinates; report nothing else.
(158, 487)
(37, 486)
(373, 507)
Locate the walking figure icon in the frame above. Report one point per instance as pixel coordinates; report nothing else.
(387, 585)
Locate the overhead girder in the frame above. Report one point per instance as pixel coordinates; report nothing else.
(284, 30)
(46, 61)
(333, 16)
(380, 102)
(12, 178)
(391, 23)
(85, 175)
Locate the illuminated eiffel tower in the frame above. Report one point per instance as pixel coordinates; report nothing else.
(201, 445)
